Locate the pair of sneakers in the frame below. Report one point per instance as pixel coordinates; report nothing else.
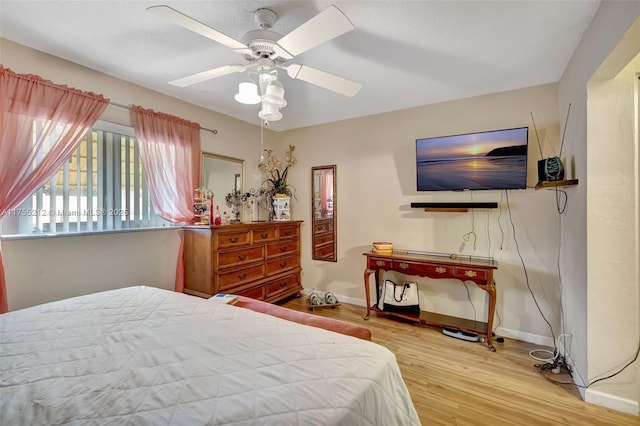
(328, 299)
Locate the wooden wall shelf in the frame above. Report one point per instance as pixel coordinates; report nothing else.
(557, 183)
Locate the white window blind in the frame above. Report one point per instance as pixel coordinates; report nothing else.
(101, 187)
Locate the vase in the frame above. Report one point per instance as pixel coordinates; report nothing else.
(281, 208)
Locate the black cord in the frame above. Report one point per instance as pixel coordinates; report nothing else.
(620, 370)
(542, 368)
(526, 275)
(475, 315)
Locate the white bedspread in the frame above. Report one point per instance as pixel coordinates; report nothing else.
(145, 356)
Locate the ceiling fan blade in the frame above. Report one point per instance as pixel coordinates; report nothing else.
(207, 75)
(324, 79)
(195, 26)
(323, 27)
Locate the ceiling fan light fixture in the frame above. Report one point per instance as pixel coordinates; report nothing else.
(274, 95)
(247, 93)
(270, 113)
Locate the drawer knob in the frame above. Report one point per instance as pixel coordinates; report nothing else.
(233, 239)
(283, 264)
(283, 249)
(470, 274)
(242, 276)
(242, 256)
(441, 270)
(380, 263)
(403, 265)
(264, 236)
(283, 284)
(287, 233)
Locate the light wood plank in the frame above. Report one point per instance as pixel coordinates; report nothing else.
(455, 382)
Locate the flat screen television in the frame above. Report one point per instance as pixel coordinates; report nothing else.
(494, 159)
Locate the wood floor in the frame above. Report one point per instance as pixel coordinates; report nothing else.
(455, 382)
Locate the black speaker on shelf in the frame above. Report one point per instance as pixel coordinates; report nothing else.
(470, 205)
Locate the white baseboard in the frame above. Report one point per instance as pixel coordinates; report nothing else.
(525, 337)
(613, 402)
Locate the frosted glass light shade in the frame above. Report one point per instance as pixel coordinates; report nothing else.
(247, 93)
(270, 113)
(274, 95)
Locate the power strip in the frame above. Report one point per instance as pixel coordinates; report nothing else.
(460, 334)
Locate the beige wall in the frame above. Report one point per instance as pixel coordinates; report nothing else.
(375, 158)
(598, 238)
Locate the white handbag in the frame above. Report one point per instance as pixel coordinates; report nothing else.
(399, 297)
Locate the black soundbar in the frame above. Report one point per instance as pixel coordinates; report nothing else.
(455, 205)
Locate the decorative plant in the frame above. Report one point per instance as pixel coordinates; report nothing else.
(276, 175)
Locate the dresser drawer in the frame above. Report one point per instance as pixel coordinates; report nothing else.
(277, 249)
(231, 239)
(240, 256)
(282, 264)
(322, 239)
(288, 284)
(323, 227)
(254, 293)
(287, 232)
(231, 279)
(325, 250)
(264, 235)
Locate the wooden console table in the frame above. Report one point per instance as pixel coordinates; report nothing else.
(435, 266)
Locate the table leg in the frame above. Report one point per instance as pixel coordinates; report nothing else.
(367, 274)
(491, 290)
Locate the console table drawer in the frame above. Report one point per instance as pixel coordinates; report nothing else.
(379, 263)
(235, 278)
(230, 239)
(281, 264)
(408, 268)
(240, 256)
(278, 249)
(471, 274)
(263, 235)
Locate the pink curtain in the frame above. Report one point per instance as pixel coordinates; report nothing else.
(170, 154)
(327, 191)
(41, 124)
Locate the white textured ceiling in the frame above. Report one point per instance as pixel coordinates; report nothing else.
(404, 53)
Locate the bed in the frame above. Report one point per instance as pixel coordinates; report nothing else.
(146, 356)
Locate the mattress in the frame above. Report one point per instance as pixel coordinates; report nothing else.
(146, 356)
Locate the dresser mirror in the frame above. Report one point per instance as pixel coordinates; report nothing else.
(222, 175)
(323, 213)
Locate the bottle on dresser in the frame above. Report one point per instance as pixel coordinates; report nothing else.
(218, 218)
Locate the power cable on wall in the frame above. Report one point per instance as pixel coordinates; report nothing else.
(526, 274)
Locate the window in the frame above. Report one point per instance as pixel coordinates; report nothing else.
(100, 188)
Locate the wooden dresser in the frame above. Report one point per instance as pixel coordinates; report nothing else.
(323, 243)
(257, 260)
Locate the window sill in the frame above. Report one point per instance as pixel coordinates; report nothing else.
(85, 233)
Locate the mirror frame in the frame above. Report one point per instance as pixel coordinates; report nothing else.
(236, 180)
(324, 228)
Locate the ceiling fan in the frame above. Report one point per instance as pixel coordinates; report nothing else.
(267, 51)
